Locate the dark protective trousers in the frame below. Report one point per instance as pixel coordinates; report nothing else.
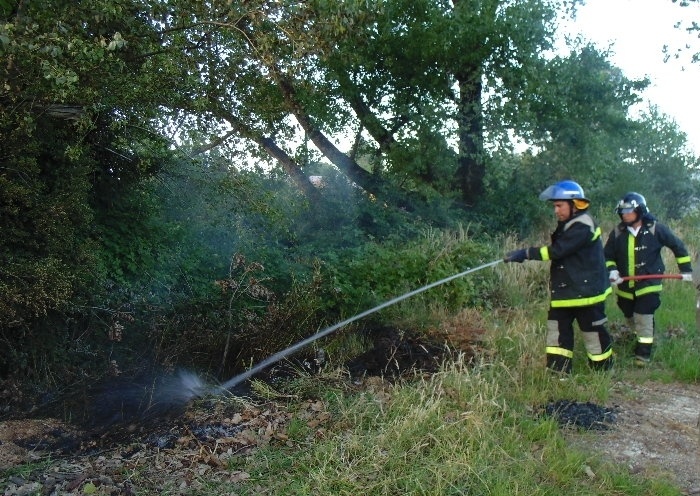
(560, 337)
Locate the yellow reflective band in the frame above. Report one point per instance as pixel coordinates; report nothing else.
(649, 289)
(544, 253)
(630, 257)
(601, 357)
(581, 302)
(610, 263)
(644, 340)
(624, 294)
(596, 234)
(555, 350)
(683, 260)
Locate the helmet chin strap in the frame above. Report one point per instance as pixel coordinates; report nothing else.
(572, 210)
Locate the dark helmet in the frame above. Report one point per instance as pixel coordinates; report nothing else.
(566, 190)
(632, 202)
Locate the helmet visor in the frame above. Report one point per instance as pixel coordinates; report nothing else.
(558, 192)
(626, 207)
(548, 193)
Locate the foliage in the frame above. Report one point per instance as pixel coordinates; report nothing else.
(688, 22)
(69, 83)
(403, 79)
(597, 144)
(662, 167)
(578, 121)
(329, 267)
(374, 274)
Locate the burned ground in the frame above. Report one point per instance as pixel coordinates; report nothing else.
(395, 353)
(124, 424)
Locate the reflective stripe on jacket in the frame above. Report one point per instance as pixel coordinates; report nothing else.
(577, 273)
(641, 255)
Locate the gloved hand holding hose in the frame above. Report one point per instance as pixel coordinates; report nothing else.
(615, 278)
(516, 256)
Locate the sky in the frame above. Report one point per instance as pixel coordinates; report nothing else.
(636, 31)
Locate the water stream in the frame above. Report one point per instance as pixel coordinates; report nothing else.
(236, 380)
(157, 394)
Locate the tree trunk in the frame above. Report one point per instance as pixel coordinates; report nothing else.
(369, 120)
(287, 162)
(343, 162)
(290, 166)
(471, 169)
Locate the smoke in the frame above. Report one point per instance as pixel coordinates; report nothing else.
(123, 400)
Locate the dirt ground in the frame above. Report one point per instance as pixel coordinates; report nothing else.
(655, 432)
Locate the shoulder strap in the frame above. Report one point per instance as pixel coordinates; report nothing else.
(583, 218)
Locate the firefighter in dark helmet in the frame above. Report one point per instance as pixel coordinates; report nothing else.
(634, 249)
(579, 282)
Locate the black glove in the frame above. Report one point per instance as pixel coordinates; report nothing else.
(516, 256)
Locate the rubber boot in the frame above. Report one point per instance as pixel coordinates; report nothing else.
(559, 364)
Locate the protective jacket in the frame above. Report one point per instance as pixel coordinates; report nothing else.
(641, 255)
(577, 273)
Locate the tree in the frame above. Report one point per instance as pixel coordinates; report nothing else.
(578, 118)
(578, 124)
(74, 127)
(663, 168)
(394, 75)
(691, 25)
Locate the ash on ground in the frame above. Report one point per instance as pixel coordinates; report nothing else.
(588, 416)
(397, 353)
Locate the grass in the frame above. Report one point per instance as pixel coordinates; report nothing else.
(473, 429)
(466, 430)
(26, 469)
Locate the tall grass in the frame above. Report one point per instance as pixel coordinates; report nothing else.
(467, 430)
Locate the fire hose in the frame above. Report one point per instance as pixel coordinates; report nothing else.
(651, 276)
(324, 332)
